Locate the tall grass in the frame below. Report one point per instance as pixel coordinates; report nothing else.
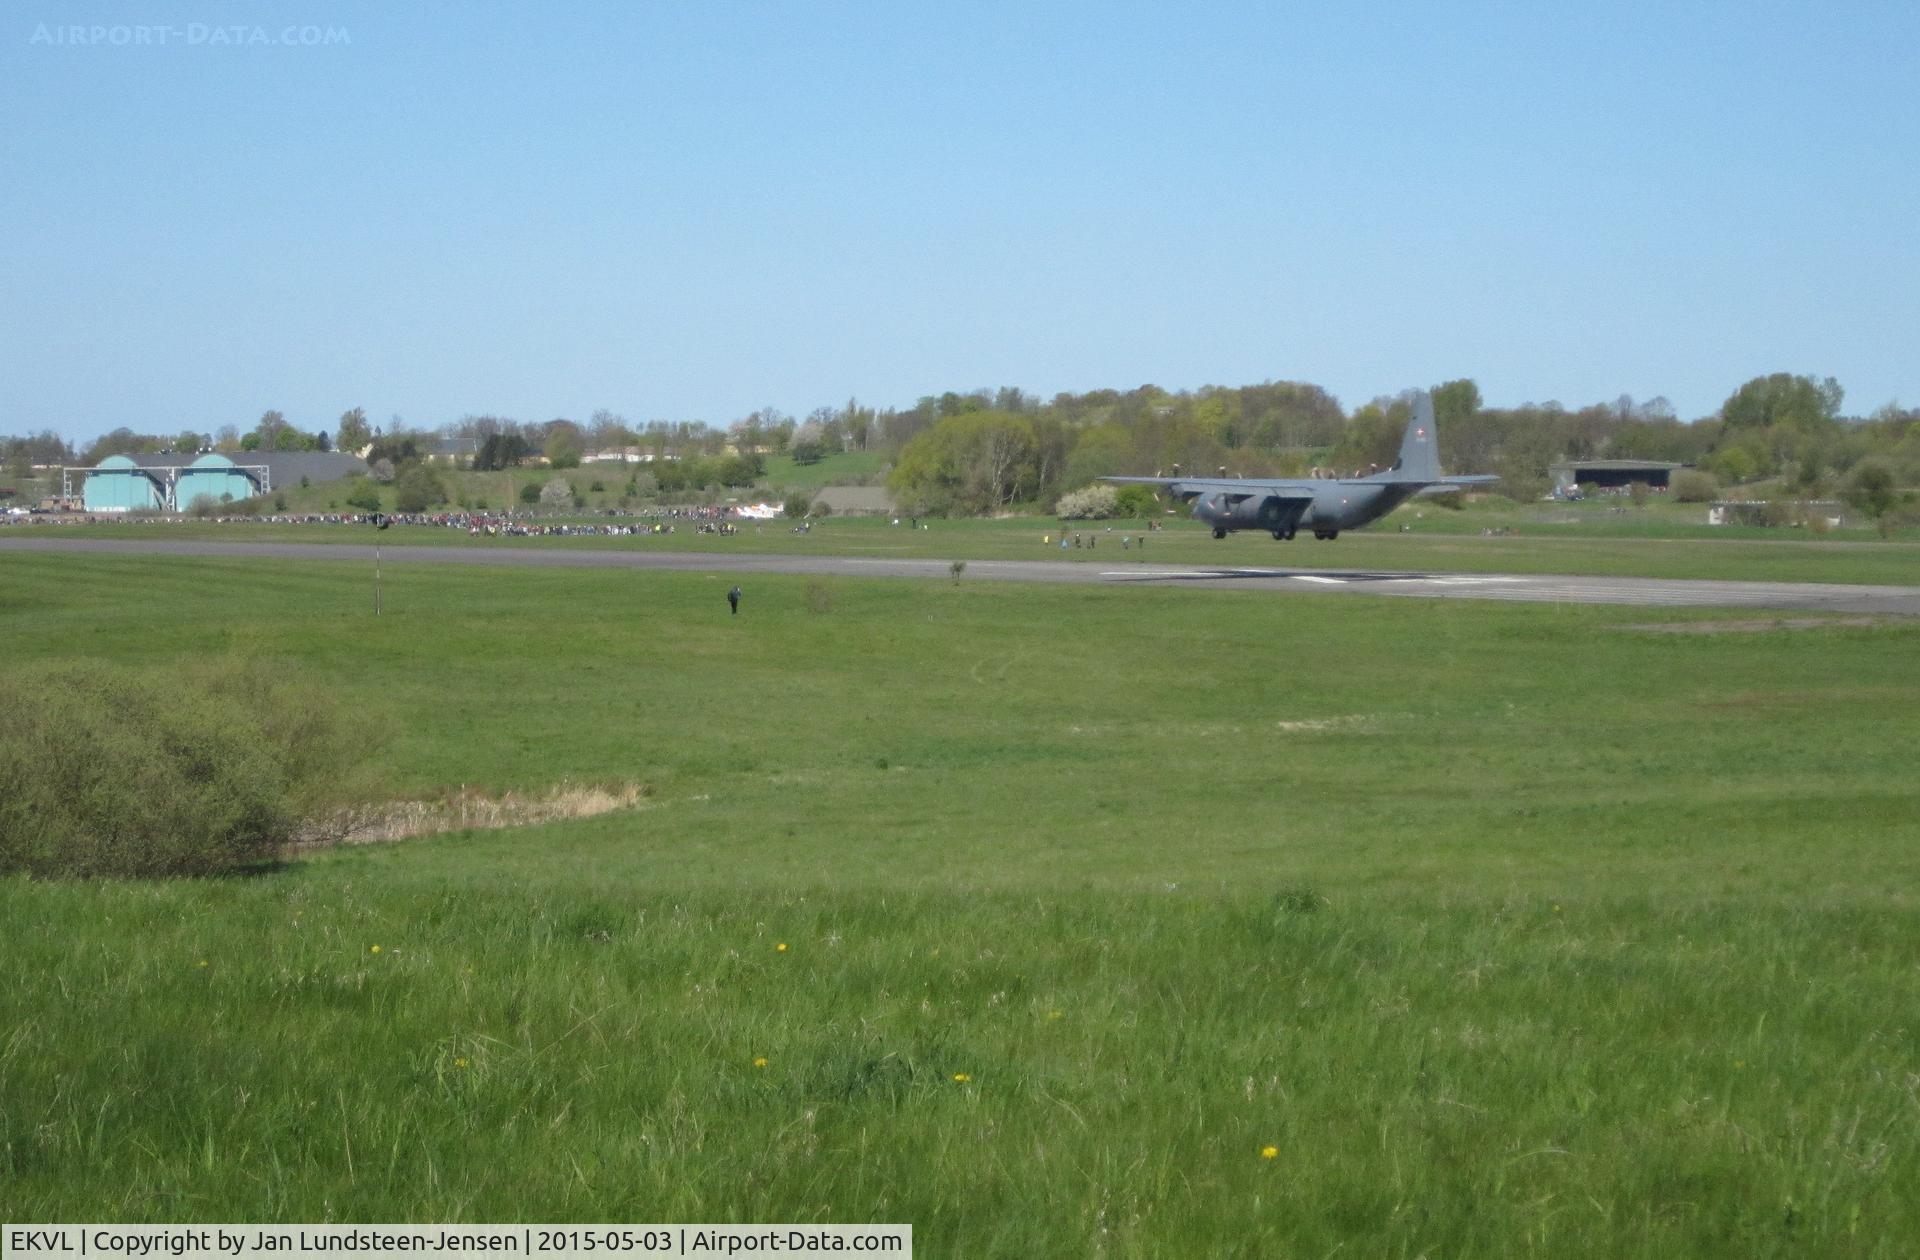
(1509, 930)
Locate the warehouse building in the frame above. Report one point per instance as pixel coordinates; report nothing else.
(174, 482)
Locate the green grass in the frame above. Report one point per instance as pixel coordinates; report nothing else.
(1514, 930)
(1751, 555)
(844, 468)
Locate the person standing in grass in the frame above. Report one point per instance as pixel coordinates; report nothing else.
(733, 600)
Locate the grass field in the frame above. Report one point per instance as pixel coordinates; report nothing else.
(1601, 546)
(1036, 916)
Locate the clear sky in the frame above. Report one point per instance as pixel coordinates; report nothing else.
(689, 210)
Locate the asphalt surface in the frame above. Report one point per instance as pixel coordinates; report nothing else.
(1526, 588)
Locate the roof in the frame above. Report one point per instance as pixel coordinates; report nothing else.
(1615, 465)
(315, 465)
(281, 466)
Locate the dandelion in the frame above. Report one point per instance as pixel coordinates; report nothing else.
(760, 1062)
(1269, 1152)
(373, 949)
(1053, 1015)
(962, 1077)
(1556, 909)
(460, 1063)
(781, 948)
(201, 963)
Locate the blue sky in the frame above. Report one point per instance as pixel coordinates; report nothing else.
(686, 211)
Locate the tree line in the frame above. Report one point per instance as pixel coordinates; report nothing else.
(999, 449)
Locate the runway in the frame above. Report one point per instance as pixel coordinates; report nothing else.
(1519, 587)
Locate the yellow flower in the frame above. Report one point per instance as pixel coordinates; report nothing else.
(201, 963)
(962, 1077)
(1053, 1014)
(761, 1061)
(781, 948)
(1269, 1152)
(373, 949)
(459, 1063)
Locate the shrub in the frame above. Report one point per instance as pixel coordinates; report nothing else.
(1136, 501)
(365, 497)
(1091, 503)
(820, 508)
(557, 492)
(1690, 485)
(798, 505)
(418, 488)
(529, 493)
(121, 772)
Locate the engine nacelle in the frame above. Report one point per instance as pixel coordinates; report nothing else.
(1228, 510)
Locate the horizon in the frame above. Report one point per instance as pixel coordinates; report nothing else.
(692, 214)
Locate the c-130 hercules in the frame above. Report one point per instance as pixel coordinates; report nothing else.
(1324, 505)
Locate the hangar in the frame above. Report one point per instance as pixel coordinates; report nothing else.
(175, 481)
(1612, 474)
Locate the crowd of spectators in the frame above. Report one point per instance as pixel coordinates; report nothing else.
(626, 522)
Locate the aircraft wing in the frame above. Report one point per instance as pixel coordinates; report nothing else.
(1239, 487)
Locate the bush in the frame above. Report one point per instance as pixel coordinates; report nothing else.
(1092, 503)
(418, 488)
(1693, 486)
(1136, 501)
(529, 493)
(798, 505)
(820, 508)
(121, 772)
(365, 496)
(557, 492)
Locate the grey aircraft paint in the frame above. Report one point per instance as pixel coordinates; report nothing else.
(1325, 505)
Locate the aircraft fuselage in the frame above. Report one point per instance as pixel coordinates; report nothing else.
(1335, 505)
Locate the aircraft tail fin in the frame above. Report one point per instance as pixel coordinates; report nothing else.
(1420, 448)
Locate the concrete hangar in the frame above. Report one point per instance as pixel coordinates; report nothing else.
(175, 482)
(1613, 474)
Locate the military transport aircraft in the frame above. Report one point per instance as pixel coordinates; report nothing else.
(1326, 505)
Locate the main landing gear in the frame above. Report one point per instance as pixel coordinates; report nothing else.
(1326, 535)
(1283, 535)
(1219, 531)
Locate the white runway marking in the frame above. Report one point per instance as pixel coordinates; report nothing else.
(1309, 577)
